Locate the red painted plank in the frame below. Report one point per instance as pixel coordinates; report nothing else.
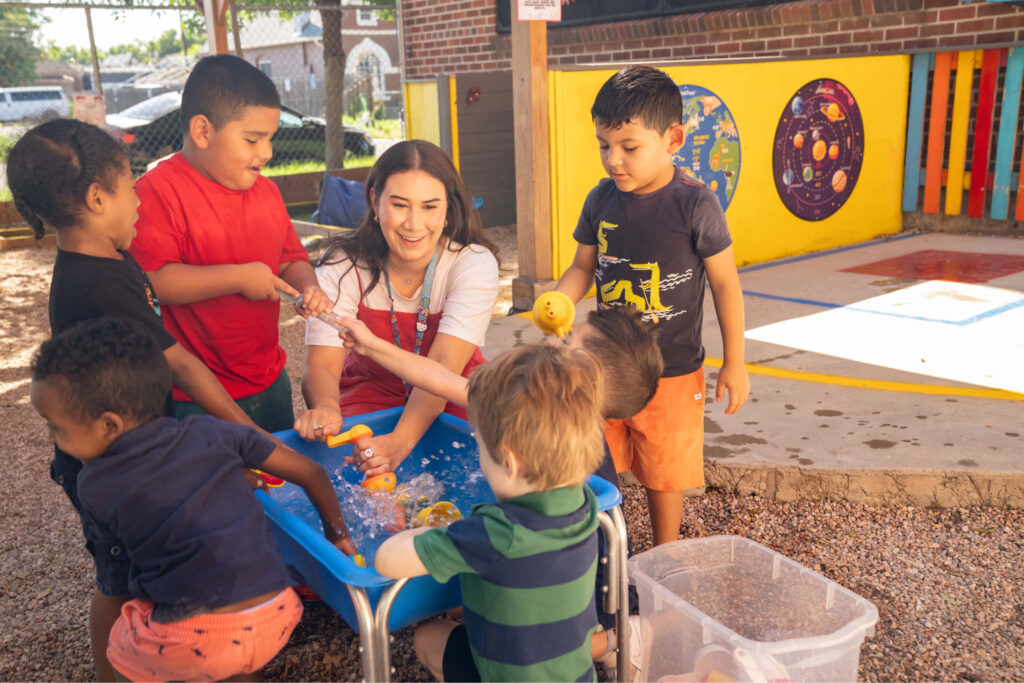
(933, 177)
(983, 132)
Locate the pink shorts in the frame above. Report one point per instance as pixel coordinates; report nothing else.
(663, 444)
(207, 647)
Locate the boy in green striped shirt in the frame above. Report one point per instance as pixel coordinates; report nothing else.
(527, 562)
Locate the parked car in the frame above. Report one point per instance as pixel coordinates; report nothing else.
(151, 129)
(42, 102)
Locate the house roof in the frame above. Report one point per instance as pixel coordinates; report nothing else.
(271, 29)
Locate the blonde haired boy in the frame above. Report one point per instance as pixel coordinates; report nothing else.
(527, 563)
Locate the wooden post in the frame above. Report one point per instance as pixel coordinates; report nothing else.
(533, 177)
(92, 52)
(216, 26)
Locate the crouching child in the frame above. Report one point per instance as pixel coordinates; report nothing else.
(212, 598)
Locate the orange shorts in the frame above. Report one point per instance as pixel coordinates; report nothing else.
(663, 444)
(207, 647)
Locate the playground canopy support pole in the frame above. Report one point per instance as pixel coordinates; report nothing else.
(533, 176)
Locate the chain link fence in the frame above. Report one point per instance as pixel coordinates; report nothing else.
(141, 78)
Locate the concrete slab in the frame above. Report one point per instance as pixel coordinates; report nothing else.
(825, 427)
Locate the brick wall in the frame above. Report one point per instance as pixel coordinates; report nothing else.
(459, 36)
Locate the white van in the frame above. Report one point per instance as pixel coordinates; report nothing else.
(33, 102)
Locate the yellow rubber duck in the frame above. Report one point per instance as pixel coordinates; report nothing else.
(553, 312)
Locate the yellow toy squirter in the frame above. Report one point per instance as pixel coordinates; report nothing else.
(440, 514)
(385, 481)
(553, 312)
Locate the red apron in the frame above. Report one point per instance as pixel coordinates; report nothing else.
(365, 386)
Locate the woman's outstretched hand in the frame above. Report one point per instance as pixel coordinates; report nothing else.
(318, 424)
(379, 454)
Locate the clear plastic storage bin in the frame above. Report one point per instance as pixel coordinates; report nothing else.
(725, 608)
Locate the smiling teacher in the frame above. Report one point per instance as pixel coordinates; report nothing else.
(420, 272)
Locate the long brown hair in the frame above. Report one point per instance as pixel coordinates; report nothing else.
(365, 246)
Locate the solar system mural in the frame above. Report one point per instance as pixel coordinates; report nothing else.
(711, 152)
(818, 149)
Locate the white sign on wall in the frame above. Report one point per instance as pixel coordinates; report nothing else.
(540, 10)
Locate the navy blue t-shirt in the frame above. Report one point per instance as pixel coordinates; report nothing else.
(176, 494)
(650, 252)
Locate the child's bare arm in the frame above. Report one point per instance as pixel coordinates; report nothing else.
(298, 469)
(301, 276)
(179, 283)
(195, 379)
(576, 281)
(397, 557)
(728, 296)
(417, 370)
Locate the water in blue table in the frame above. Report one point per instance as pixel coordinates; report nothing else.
(449, 474)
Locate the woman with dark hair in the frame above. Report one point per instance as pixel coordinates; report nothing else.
(419, 272)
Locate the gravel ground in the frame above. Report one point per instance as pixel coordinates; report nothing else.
(947, 583)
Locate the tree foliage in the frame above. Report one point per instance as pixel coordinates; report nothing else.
(18, 53)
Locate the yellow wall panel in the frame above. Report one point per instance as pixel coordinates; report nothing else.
(762, 227)
(422, 120)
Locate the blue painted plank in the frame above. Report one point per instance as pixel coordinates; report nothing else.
(915, 130)
(1007, 141)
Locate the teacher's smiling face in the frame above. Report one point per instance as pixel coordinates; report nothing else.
(411, 211)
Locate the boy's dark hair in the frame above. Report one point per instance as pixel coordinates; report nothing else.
(52, 166)
(627, 347)
(222, 87)
(106, 364)
(638, 94)
(366, 245)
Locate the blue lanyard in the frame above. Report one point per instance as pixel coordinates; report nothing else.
(424, 307)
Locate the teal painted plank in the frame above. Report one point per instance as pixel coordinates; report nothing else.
(1006, 142)
(915, 130)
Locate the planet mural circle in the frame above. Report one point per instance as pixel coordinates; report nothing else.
(814, 180)
(711, 151)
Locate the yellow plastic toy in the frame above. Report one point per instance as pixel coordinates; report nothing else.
(354, 434)
(378, 482)
(553, 312)
(440, 514)
(272, 481)
(359, 560)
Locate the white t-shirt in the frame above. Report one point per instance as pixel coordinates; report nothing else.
(465, 289)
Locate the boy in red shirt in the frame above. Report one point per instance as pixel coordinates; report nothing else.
(217, 242)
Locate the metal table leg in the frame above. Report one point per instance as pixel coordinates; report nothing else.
(616, 598)
(367, 633)
(381, 633)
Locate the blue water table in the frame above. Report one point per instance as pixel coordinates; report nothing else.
(374, 605)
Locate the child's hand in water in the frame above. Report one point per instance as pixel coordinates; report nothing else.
(314, 302)
(359, 338)
(345, 545)
(258, 283)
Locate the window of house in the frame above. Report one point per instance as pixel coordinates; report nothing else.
(366, 17)
(264, 66)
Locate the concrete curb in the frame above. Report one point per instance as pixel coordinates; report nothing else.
(926, 488)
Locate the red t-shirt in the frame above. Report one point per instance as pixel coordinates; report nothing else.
(187, 218)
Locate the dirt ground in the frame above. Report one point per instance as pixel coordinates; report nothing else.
(947, 583)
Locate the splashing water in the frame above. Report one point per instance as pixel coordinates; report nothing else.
(373, 516)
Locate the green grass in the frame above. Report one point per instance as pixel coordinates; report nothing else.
(296, 167)
(5, 195)
(378, 128)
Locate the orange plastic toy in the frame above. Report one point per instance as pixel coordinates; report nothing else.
(357, 432)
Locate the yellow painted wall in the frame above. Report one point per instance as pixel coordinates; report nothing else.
(421, 113)
(762, 227)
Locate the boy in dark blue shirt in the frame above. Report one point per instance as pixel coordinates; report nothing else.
(212, 596)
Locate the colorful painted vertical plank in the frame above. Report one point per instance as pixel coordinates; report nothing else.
(958, 131)
(983, 132)
(937, 132)
(1006, 143)
(915, 131)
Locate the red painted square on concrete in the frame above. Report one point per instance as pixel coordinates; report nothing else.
(934, 264)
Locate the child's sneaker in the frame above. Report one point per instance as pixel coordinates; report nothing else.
(609, 659)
